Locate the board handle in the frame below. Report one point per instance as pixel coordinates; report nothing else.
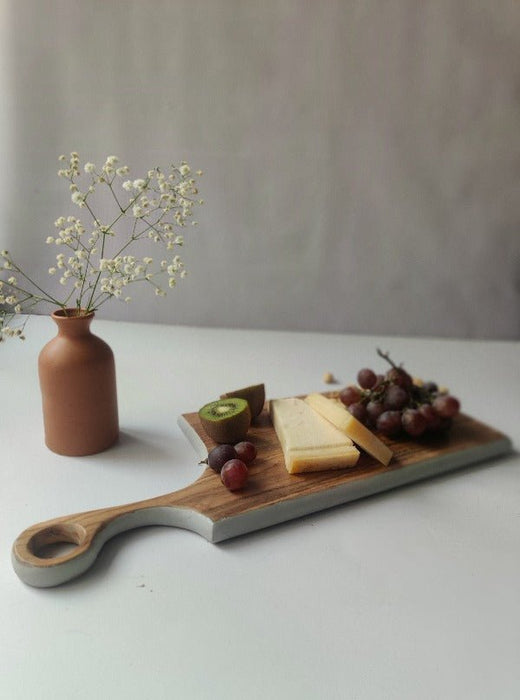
(37, 554)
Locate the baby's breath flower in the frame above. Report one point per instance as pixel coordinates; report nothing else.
(99, 266)
(78, 199)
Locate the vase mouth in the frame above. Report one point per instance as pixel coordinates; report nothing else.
(72, 313)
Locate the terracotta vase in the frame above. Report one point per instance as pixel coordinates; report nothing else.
(78, 386)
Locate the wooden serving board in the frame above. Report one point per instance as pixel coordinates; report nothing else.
(271, 495)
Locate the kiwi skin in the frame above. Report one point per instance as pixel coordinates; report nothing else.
(222, 427)
(254, 395)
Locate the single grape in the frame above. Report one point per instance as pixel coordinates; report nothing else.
(374, 410)
(366, 378)
(446, 406)
(350, 394)
(395, 397)
(414, 423)
(246, 451)
(433, 420)
(358, 410)
(398, 376)
(389, 423)
(234, 474)
(219, 455)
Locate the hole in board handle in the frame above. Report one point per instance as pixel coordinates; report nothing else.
(56, 540)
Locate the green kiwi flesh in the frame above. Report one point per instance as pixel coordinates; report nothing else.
(254, 395)
(226, 420)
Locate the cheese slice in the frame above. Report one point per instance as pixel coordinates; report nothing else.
(338, 415)
(309, 442)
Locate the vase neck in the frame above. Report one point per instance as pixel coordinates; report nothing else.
(72, 323)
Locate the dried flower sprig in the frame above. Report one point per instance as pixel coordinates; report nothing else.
(98, 261)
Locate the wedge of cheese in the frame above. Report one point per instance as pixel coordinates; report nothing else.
(338, 415)
(309, 442)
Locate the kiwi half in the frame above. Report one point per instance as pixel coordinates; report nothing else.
(226, 420)
(254, 395)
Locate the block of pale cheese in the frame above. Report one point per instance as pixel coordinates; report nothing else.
(338, 415)
(309, 442)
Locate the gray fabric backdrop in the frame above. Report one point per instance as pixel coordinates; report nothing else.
(361, 158)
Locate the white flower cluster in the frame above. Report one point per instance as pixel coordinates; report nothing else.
(10, 304)
(94, 263)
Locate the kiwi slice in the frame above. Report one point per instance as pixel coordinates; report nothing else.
(226, 420)
(254, 395)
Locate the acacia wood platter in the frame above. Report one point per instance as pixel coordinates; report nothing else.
(271, 495)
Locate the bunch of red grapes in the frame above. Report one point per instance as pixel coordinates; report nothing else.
(393, 403)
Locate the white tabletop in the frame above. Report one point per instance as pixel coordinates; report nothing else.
(409, 594)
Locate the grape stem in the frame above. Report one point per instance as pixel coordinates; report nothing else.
(386, 356)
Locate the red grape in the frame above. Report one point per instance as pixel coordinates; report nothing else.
(219, 455)
(433, 420)
(414, 423)
(366, 378)
(397, 375)
(234, 474)
(359, 411)
(374, 410)
(246, 451)
(446, 406)
(350, 394)
(395, 397)
(389, 422)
